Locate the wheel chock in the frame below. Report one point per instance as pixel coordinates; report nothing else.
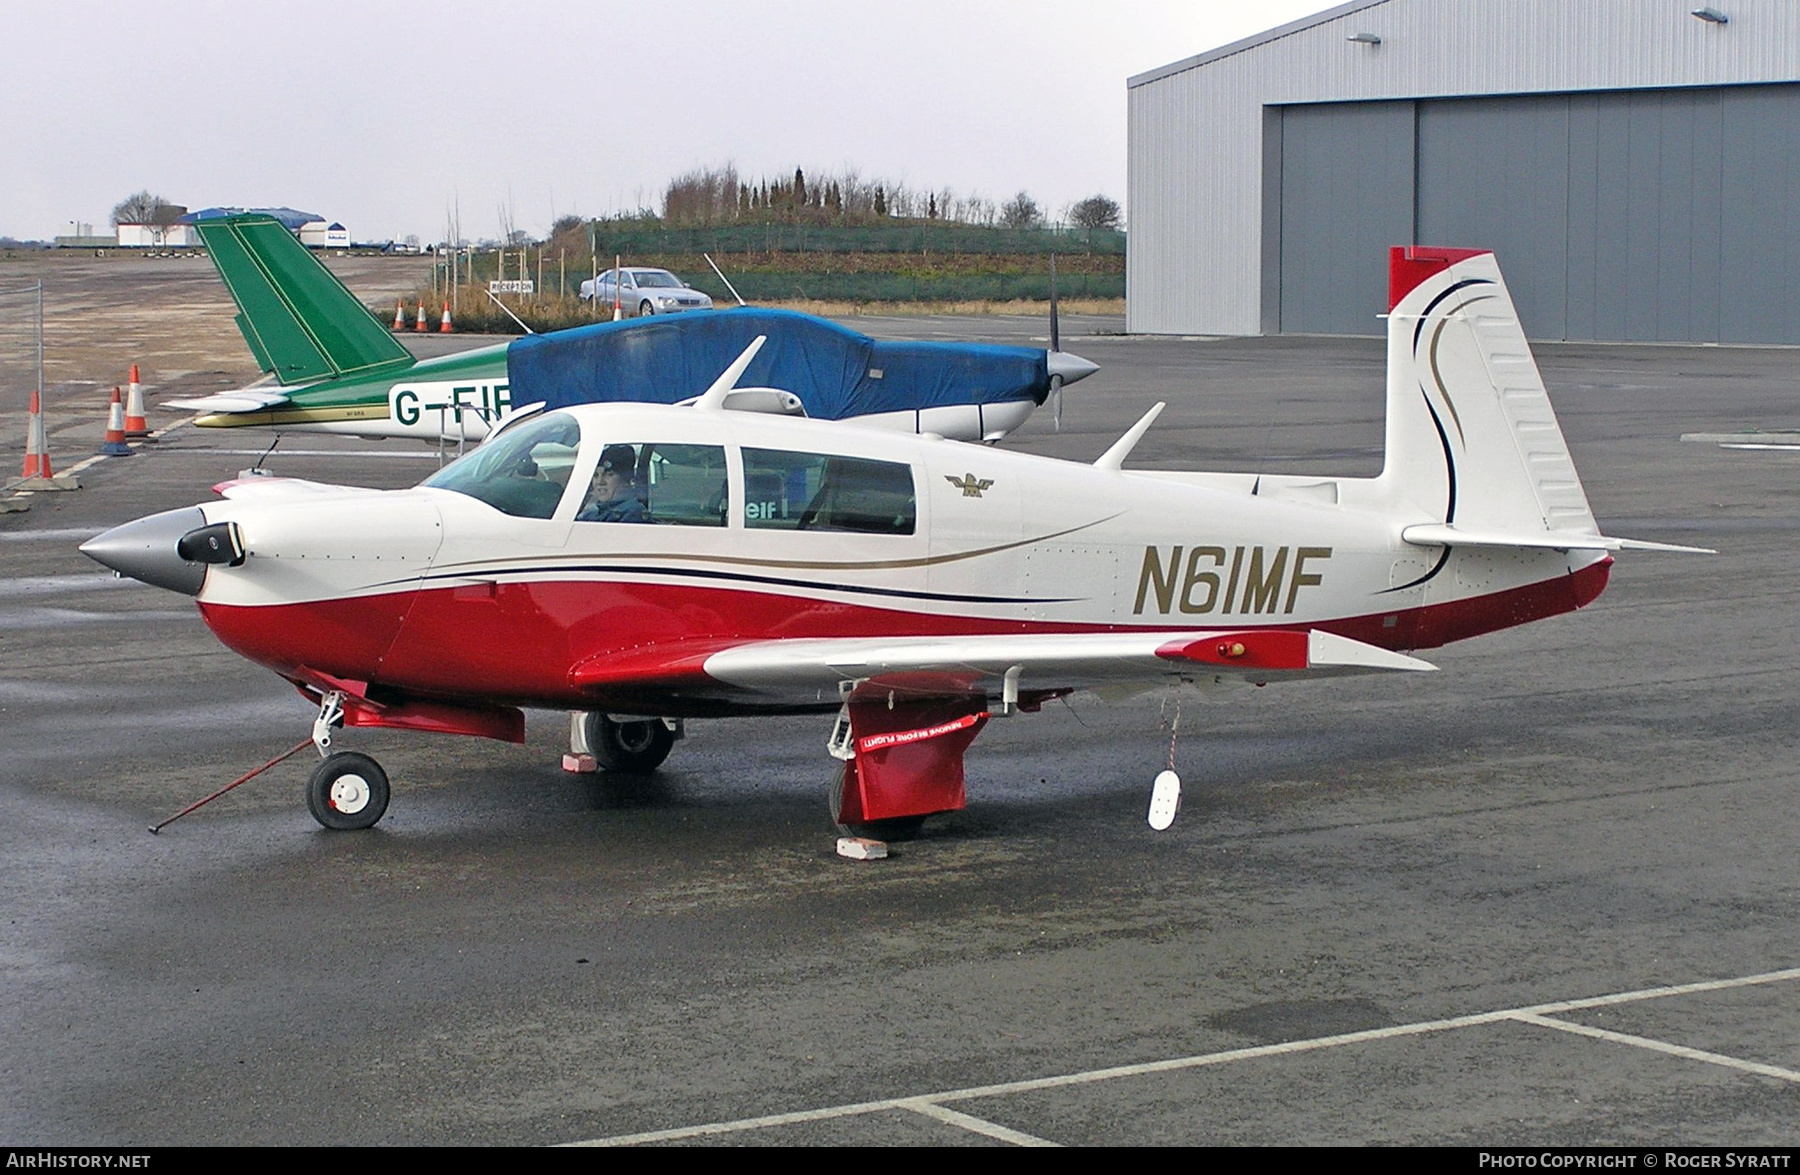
(580, 764)
(862, 848)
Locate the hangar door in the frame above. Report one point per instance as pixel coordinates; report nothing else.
(1651, 215)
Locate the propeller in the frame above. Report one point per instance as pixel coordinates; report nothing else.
(1064, 368)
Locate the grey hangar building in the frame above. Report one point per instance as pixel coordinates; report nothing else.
(1634, 165)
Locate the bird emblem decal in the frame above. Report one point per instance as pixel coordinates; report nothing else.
(969, 484)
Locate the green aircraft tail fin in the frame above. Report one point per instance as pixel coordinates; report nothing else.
(300, 321)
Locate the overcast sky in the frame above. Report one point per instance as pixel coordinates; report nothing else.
(383, 115)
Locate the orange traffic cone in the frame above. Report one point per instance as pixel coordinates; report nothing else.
(444, 326)
(399, 314)
(135, 424)
(421, 327)
(114, 445)
(37, 456)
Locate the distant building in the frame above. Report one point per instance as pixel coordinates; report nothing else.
(167, 228)
(81, 235)
(314, 230)
(155, 236)
(316, 234)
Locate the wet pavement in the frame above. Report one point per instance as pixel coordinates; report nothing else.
(1349, 935)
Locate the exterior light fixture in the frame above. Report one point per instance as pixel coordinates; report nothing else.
(1710, 15)
(1374, 39)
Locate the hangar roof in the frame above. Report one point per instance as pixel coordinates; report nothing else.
(1251, 42)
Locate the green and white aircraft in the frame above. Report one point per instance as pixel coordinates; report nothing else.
(334, 367)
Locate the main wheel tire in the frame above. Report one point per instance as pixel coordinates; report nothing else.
(645, 310)
(636, 747)
(347, 791)
(895, 828)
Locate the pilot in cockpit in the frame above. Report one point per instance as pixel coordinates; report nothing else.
(614, 495)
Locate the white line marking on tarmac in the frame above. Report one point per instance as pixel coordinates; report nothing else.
(50, 534)
(977, 1125)
(358, 453)
(56, 585)
(1203, 1060)
(1660, 1046)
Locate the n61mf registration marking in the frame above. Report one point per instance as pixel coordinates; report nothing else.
(487, 400)
(1202, 584)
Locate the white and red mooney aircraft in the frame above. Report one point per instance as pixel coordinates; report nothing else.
(916, 586)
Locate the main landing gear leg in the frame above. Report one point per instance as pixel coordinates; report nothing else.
(900, 760)
(348, 790)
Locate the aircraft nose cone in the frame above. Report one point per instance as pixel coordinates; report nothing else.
(145, 550)
(1070, 367)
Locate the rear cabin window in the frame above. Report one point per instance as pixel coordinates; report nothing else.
(675, 485)
(815, 491)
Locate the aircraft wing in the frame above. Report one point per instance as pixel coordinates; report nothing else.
(1056, 660)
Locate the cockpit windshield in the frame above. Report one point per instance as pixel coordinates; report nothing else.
(521, 472)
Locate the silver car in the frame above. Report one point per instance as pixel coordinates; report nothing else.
(645, 291)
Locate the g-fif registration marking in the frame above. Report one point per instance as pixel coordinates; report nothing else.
(486, 400)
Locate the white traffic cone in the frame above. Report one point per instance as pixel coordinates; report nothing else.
(114, 445)
(135, 424)
(37, 456)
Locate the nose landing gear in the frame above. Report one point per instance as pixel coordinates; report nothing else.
(348, 790)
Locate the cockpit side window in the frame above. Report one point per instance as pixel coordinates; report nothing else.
(521, 472)
(816, 491)
(675, 485)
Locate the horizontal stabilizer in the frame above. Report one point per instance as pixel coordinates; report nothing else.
(1437, 535)
(241, 400)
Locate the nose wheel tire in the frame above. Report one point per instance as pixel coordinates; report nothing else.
(347, 791)
(636, 747)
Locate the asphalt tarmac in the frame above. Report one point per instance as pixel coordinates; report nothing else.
(1367, 925)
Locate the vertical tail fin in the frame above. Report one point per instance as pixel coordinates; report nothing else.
(300, 321)
(1471, 437)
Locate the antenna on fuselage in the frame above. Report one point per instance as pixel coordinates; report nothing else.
(1114, 457)
(713, 400)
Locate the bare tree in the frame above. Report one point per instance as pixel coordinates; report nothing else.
(139, 208)
(705, 195)
(1095, 212)
(1021, 212)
